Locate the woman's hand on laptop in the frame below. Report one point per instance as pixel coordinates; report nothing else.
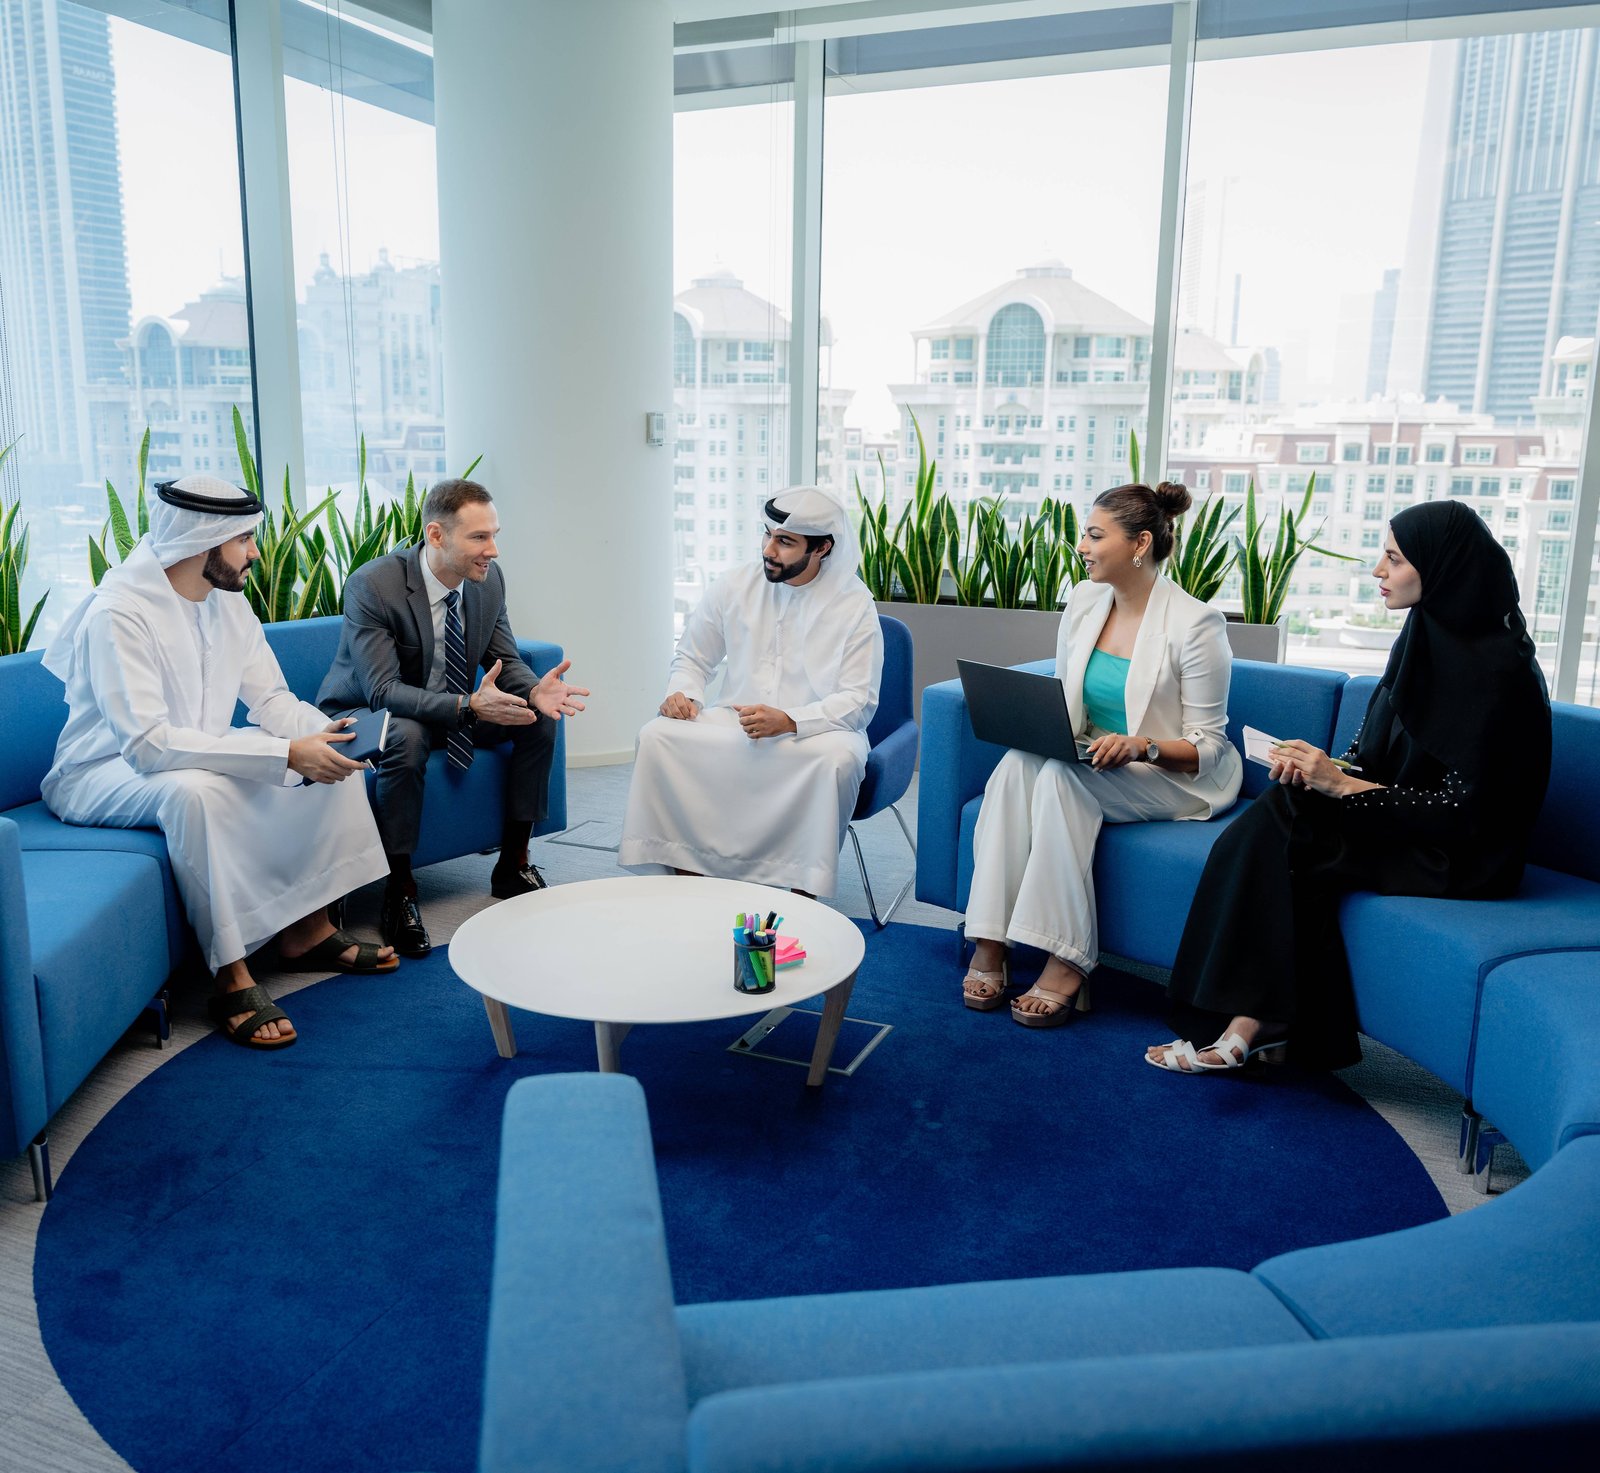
(1114, 750)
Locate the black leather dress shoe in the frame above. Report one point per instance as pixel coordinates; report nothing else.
(401, 925)
(504, 884)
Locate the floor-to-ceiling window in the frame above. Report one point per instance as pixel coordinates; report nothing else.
(1398, 247)
(732, 248)
(358, 103)
(122, 298)
(989, 267)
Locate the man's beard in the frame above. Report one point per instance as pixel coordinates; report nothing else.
(219, 575)
(786, 571)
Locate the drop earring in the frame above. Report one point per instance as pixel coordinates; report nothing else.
(1138, 562)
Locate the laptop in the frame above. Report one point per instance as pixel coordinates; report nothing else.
(1017, 708)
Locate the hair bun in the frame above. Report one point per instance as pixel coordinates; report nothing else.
(1173, 498)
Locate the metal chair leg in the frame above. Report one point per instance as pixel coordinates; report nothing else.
(1467, 1147)
(161, 1006)
(881, 921)
(39, 1162)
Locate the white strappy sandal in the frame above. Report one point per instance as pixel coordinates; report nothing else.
(1235, 1053)
(1169, 1055)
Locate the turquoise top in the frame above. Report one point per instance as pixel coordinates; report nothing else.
(1104, 681)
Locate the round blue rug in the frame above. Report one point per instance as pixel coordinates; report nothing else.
(270, 1261)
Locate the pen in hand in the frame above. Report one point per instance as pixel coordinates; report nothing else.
(1338, 762)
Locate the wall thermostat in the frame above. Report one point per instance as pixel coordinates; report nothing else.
(655, 428)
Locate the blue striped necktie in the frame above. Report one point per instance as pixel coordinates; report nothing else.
(458, 742)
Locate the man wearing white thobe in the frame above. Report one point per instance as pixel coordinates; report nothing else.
(154, 661)
(759, 782)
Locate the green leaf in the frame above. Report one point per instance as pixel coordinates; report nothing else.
(99, 565)
(466, 475)
(247, 463)
(142, 509)
(120, 531)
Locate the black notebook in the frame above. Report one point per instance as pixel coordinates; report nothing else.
(371, 730)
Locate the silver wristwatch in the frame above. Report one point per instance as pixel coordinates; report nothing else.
(1152, 752)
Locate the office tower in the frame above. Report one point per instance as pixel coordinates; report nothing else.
(1518, 250)
(1384, 305)
(63, 256)
(1208, 292)
(730, 375)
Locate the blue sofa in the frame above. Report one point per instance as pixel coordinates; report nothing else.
(1145, 874)
(91, 926)
(1475, 1339)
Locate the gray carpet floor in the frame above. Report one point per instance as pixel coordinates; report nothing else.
(42, 1430)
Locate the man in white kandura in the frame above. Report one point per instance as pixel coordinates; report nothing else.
(759, 782)
(154, 661)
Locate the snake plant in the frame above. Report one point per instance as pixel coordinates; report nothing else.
(15, 630)
(1265, 571)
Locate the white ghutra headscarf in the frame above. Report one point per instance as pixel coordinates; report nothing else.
(187, 518)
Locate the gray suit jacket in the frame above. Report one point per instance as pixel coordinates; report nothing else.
(386, 645)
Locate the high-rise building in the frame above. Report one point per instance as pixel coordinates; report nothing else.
(1036, 388)
(1517, 257)
(1385, 303)
(64, 302)
(372, 365)
(730, 375)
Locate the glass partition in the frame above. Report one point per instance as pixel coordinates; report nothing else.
(730, 334)
(122, 299)
(364, 196)
(989, 258)
(1390, 282)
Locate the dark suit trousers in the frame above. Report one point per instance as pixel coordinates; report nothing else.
(402, 771)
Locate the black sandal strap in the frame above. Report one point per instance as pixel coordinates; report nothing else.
(251, 999)
(367, 958)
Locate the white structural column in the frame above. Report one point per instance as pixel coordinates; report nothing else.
(269, 239)
(1169, 265)
(555, 238)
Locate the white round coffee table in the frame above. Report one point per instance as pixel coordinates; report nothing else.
(648, 949)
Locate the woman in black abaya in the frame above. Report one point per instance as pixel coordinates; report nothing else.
(1449, 770)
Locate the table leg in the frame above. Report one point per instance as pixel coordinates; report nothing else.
(505, 1040)
(608, 1044)
(828, 1031)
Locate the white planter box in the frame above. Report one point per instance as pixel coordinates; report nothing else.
(942, 633)
(1265, 642)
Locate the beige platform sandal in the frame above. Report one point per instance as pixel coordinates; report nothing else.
(1061, 1010)
(998, 983)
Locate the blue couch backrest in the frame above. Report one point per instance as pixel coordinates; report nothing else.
(1284, 701)
(305, 649)
(33, 709)
(1564, 838)
(33, 706)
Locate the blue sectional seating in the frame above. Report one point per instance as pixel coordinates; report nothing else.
(1476, 1338)
(91, 926)
(1145, 874)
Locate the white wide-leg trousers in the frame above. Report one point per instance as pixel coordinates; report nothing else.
(1033, 852)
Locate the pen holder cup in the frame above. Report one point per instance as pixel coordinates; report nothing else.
(753, 967)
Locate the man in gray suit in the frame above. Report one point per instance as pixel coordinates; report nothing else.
(417, 624)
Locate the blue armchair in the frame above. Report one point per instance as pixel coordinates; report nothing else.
(893, 758)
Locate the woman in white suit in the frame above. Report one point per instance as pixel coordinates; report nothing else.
(1146, 670)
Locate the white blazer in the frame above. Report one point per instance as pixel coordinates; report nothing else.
(1177, 680)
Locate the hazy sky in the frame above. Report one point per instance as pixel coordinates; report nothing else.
(932, 196)
(180, 173)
